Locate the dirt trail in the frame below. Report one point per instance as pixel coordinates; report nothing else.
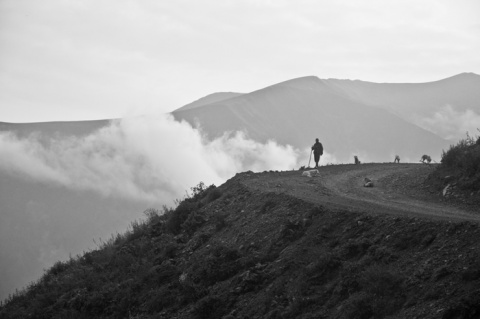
(398, 189)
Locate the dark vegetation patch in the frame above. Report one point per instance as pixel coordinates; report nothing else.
(464, 159)
(458, 176)
(228, 252)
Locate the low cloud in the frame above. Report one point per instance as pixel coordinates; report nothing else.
(452, 124)
(152, 158)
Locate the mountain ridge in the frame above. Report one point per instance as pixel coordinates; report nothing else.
(296, 111)
(417, 103)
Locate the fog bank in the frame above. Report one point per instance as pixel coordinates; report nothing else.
(151, 158)
(452, 124)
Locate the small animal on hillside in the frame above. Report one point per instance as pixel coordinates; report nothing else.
(302, 168)
(368, 182)
(397, 159)
(357, 161)
(426, 159)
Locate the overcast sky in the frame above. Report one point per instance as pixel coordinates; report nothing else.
(94, 59)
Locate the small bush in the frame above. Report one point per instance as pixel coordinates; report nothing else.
(176, 218)
(193, 222)
(153, 215)
(213, 194)
(138, 230)
(197, 191)
(169, 250)
(58, 268)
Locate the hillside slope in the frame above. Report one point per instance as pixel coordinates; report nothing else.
(268, 245)
(41, 224)
(297, 111)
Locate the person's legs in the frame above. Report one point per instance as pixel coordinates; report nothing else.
(317, 159)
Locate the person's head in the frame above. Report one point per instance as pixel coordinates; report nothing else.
(316, 140)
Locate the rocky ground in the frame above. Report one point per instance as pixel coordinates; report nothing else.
(282, 245)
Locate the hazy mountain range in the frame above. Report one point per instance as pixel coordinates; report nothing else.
(374, 121)
(55, 206)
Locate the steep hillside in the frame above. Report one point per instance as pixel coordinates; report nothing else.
(295, 112)
(41, 224)
(255, 247)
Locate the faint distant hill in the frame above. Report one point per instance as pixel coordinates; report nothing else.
(297, 111)
(72, 128)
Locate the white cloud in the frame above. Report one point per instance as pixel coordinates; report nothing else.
(150, 158)
(451, 123)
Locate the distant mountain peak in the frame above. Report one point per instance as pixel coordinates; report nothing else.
(465, 75)
(461, 79)
(302, 79)
(468, 74)
(305, 82)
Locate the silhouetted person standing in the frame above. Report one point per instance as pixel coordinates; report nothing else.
(317, 149)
